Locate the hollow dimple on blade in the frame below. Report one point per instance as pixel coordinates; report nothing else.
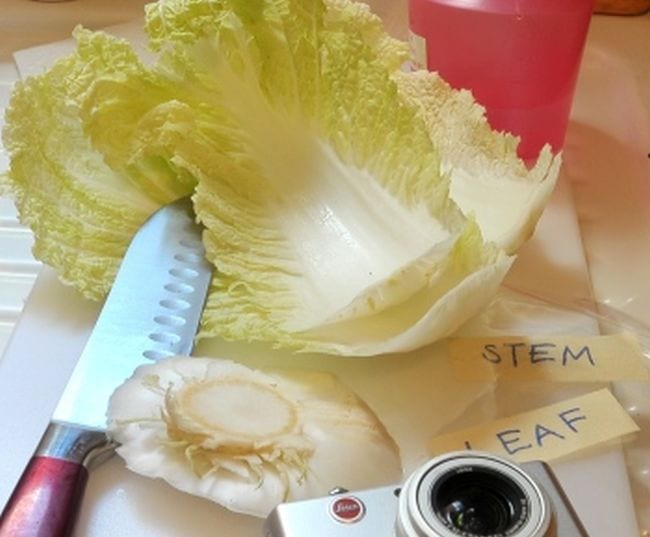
(176, 314)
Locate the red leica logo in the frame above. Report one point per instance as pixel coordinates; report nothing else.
(347, 509)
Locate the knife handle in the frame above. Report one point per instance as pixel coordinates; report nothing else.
(46, 501)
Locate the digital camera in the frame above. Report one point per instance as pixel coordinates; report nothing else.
(468, 494)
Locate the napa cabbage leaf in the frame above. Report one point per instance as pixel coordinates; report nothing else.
(349, 207)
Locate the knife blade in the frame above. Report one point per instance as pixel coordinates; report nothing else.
(151, 312)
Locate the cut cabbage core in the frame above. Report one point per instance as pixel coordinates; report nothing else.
(248, 439)
(232, 408)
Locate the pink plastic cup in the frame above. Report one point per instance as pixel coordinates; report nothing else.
(520, 59)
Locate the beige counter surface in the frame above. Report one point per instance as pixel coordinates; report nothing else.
(606, 172)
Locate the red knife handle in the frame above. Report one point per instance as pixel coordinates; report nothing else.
(46, 501)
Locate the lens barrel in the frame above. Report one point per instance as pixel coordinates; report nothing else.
(471, 494)
(479, 501)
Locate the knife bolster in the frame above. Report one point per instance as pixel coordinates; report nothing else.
(75, 444)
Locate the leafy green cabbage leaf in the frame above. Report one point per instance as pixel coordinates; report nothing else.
(349, 207)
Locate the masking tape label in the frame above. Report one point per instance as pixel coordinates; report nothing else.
(549, 358)
(546, 433)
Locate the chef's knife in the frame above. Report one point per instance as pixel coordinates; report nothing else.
(152, 312)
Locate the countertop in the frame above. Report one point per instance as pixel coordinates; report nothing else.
(607, 160)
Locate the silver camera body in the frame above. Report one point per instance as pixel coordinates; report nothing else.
(465, 493)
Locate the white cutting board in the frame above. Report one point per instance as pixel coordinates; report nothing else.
(405, 391)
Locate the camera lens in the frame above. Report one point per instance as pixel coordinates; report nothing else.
(472, 494)
(479, 501)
